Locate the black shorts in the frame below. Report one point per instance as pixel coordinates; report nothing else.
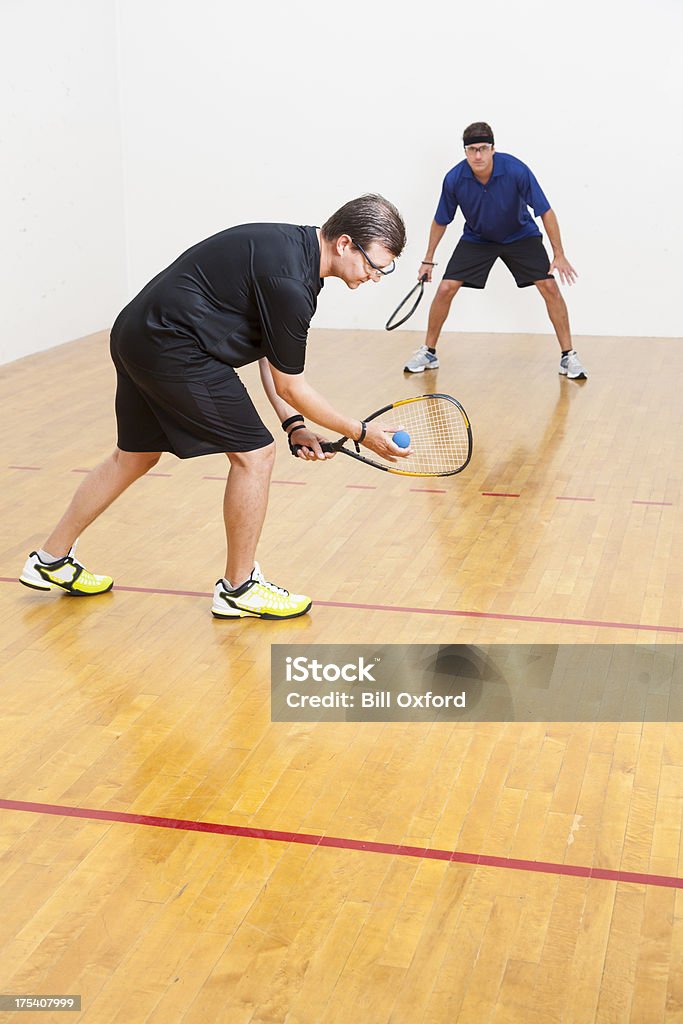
(526, 260)
(209, 413)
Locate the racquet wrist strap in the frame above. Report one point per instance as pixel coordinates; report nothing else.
(292, 419)
(363, 432)
(299, 426)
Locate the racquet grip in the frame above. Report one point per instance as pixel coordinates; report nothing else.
(327, 446)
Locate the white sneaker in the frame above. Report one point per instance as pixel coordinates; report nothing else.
(257, 599)
(422, 360)
(571, 367)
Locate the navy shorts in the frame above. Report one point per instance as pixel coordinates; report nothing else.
(526, 260)
(210, 412)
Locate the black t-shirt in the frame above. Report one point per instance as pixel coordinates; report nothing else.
(244, 293)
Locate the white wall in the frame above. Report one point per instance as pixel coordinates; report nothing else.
(62, 271)
(282, 111)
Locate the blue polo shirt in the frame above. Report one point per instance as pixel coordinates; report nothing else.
(497, 211)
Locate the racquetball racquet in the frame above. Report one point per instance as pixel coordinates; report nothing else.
(407, 307)
(440, 437)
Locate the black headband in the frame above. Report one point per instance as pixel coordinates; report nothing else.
(478, 138)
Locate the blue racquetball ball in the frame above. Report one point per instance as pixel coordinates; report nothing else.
(401, 438)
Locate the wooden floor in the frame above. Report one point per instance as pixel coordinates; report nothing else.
(138, 706)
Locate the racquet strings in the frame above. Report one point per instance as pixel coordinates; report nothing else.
(439, 435)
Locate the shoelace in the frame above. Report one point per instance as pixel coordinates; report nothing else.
(258, 577)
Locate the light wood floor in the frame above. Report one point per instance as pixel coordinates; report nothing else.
(566, 528)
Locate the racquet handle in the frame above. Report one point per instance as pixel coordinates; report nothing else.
(327, 446)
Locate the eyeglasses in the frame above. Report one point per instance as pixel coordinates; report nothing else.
(378, 270)
(474, 150)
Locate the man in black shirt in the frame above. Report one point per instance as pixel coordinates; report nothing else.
(244, 295)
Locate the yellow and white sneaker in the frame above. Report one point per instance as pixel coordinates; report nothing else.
(258, 599)
(66, 574)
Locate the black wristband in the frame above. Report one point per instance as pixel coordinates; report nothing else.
(292, 419)
(299, 426)
(363, 432)
(428, 263)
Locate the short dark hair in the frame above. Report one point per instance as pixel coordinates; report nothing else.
(370, 218)
(476, 131)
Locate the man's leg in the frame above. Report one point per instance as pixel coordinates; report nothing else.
(53, 566)
(559, 318)
(557, 311)
(244, 508)
(425, 358)
(248, 594)
(99, 489)
(439, 310)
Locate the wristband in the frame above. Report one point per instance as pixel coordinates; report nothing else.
(428, 263)
(292, 419)
(363, 431)
(299, 426)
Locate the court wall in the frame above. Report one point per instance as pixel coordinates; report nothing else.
(62, 268)
(134, 129)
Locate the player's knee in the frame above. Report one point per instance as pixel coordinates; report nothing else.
(447, 289)
(548, 288)
(259, 460)
(137, 462)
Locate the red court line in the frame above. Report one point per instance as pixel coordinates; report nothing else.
(342, 843)
(161, 590)
(505, 616)
(366, 487)
(402, 609)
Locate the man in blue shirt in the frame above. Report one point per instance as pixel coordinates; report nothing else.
(494, 192)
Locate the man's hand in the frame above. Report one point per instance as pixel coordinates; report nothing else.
(378, 440)
(310, 442)
(564, 268)
(425, 268)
